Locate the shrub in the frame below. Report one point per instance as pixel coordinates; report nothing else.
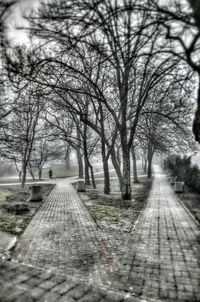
(177, 166)
(15, 208)
(181, 167)
(192, 178)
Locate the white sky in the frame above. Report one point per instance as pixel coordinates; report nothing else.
(16, 19)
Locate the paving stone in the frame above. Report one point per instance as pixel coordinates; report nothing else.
(91, 297)
(159, 258)
(62, 237)
(50, 297)
(66, 299)
(13, 295)
(36, 293)
(25, 298)
(64, 287)
(78, 292)
(158, 246)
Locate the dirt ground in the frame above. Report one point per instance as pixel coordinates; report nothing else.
(12, 198)
(191, 199)
(109, 211)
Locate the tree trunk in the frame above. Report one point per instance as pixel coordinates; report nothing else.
(92, 176)
(19, 171)
(86, 163)
(117, 168)
(87, 175)
(20, 176)
(67, 157)
(79, 155)
(31, 172)
(105, 167)
(149, 172)
(25, 162)
(119, 157)
(80, 162)
(145, 165)
(23, 179)
(40, 173)
(150, 157)
(196, 122)
(135, 176)
(126, 180)
(104, 157)
(106, 176)
(123, 86)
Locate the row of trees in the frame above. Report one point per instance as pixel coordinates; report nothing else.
(105, 78)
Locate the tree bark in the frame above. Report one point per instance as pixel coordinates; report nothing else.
(149, 172)
(104, 157)
(106, 176)
(119, 157)
(145, 165)
(126, 178)
(40, 173)
(196, 122)
(20, 176)
(150, 157)
(87, 175)
(25, 161)
(92, 176)
(23, 178)
(31, 172)
(79, 155)
(80, 162)
(123, 92)
(135, 176)
(117, 168)
(67, 157)
(86, 163)
(126, 181)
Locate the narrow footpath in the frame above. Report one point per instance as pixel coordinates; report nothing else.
(62, 237)
(162, 256)
(63, 256)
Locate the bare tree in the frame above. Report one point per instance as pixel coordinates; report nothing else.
(19, 134)
(104, 69)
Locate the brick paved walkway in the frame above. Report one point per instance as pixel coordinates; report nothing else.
(159, 260)
(21, 283)
(62, 237)
(162, 255)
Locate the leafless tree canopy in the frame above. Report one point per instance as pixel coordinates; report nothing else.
(110, 78)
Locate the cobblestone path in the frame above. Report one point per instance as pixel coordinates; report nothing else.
(62, 237)
(160, 258)
(22, 283)
(162, 255)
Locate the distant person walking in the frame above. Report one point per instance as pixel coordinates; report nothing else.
(50, 173)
